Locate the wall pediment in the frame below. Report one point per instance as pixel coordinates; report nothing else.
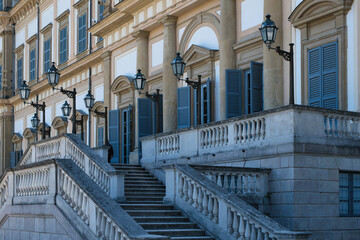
(121, 83)
(29, 133)
(311, 10)
(59, 122)
(17, 137)
(197, 53)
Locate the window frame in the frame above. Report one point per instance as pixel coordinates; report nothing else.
(79, 29)
(350, 198)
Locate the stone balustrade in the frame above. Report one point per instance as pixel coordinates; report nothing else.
(69, 146)
(62, 182)
(271, 128)
(223, 214)
(248, 182)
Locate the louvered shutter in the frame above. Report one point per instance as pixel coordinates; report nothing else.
(114, 139)
(183, 107)
(12, 159)
(195, 100)
(154, 115)
(256, 82)
(314, 68)
(329, 76)
(144, 119)
(100, 136)
(323, 76)
(233, 93)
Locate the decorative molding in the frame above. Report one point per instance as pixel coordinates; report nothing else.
(59, 122)
(121, 83)
(311, 10)
(63, 15)
(197, 20)
(46, 28)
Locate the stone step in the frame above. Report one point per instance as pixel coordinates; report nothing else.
(144, 202)
(127, 206)
(147, 198)
(145, 194)
(148, 189)
(149, 219)
(141, 181)
(144, 185)
(144, 213)
(171, 225)
(178, 232)
(143, 174)
(193, 238)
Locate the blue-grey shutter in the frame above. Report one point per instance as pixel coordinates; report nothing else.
(126, 134)
(183, 107)
(256, 81)
(195, 100)
(100, 136)
(63, 45)
(19, 72)
(154, 115)
(314, 76)
(114, 139)
(233, 93)
(144, 115)
(205, 104)
(323, 76)
(0, 77)
(12, 159)
(329, 76)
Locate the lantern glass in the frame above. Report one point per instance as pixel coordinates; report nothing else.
(89, 100)
(35, 121)
(268, 31)
(24, 91)
(53, 75)
(66, 109)
(178, 65)
(139, 81)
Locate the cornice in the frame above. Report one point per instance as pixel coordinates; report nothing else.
(63, 15)
(131, 6)
(22, 9)
(109, 23)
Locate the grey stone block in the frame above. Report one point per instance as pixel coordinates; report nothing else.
(329, 198)
(344, 223)
(29, 223)
(329, 186)
(319, 224)
(355, 235)
(50, 225)
(270, 163)
(306, 162)
(20, 221)
(39, 224)
(306, 198)
(306, 185)
(305, 173)
(25, 235)
(16, 234)
(59, 228)
(34, 236)
(45, 236)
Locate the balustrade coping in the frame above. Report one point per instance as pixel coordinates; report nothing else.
(235, 202)
(85, 149)
(254, 115)
(97, 195)
(230, 169)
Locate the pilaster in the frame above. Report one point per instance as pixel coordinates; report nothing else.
(273, 63)
(7, 62)
(227, 54)
(169, 80)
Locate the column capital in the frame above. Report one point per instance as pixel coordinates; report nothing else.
(106, 55)
(168, 19)
(140, 34)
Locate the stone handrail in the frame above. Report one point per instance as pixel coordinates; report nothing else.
(285, 125)
(64, 181)
(241, 181)
(229, 216)
(71, 147)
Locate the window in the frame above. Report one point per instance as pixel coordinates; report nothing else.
(47, 54)
(101, 11)
(323, 76)
(19, 72)
(32, 65)
(349, 194)
(63, 45)
(82, 33)
(126, 138)
(0, 77)
(1, 5)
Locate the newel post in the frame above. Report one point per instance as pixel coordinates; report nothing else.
(52, 180)
(170, 181)
(117, 185)
(223, 214)
(11, 187)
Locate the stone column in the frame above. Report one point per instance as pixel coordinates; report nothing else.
(273, 63)
(227, 54)
(7, 62)
(106, 56)
(142, 58)
(5, 133)
(169, 80)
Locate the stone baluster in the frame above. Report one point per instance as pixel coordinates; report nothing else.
(246, 184)
(348, 127)
(235, 225)
(216, 210)
(232, 183)
(205, 203)
(262, 129)
(230, 220)
(200, 199)
(239, 184)
(253, 232)
(266, 236)
(226, 181)
(195, 196)
(247, 229)
(242, 227)
(253, 131)
(181, 185)
(258, 122)
(260, 235)
(210, 207)
(219, 182)
(186, 189)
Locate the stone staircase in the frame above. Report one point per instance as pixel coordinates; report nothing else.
(144, 202)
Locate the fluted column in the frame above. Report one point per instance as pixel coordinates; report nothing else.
(5, 133)
(227, 54)
(142, 62)
(273, 63)
(7, 62)
(169, 80)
